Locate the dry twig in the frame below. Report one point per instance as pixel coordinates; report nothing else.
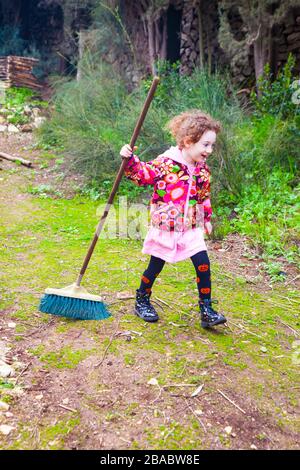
(196, 416)
(22, 372)
(243, 328)
(109, 344)
(237, 406)
(6, 156)
(292, 329)
(67, 408)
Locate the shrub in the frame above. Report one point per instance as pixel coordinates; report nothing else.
(261, 144)
(275, 94)
(267, 212)
(94, 117)
(14, 101)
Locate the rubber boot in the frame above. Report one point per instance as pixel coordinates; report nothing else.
(143, 307)
(209, 316)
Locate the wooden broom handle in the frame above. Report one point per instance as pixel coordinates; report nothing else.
(118, 179)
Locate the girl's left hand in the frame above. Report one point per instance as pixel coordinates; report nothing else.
(208, 228)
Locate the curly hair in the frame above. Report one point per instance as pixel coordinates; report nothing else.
(191, 124)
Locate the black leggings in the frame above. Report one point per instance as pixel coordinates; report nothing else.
(202, 266)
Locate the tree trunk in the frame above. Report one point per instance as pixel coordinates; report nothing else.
(201, 38)
(151, 44)
(164, 39)
(261, 45)
(208, 42)
(10, 13)
(260, 54)
(80, 54)
(272, 53)
(157, 37)
(62, 65)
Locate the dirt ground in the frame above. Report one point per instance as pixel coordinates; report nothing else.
(126, 384)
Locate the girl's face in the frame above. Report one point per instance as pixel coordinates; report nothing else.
(200, 151)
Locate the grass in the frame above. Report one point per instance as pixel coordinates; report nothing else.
(50, 438)
(45, 242)
(64, 357)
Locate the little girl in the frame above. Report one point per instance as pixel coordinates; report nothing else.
(180, 208)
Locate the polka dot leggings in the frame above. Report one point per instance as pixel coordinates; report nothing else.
(202, 266)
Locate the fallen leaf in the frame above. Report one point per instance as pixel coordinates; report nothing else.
(53, 443)
(4, 406)
(152, 381)
(197, 391)
(6, 370)
(137, 333)
(228, 429)
(175, 324)
(5, 430)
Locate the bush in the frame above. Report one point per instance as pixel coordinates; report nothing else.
(14, 101)
(268, 213)
(94, 117)
(84, 122)
(275, 95)
(264, 143)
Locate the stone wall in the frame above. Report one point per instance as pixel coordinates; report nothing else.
(288, 34)
(285, 39)
(218, 46)
(193, 22)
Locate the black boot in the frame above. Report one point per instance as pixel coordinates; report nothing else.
(209, 316)
(143, 308)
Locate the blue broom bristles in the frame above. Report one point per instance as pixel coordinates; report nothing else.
(73, 307)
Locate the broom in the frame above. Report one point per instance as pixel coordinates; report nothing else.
(74, 301)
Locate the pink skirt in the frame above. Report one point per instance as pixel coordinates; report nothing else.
(174, 246)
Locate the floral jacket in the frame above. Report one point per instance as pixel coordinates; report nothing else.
(181, 196)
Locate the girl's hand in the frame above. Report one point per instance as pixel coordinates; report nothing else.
(126, 151)
(208, 228)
